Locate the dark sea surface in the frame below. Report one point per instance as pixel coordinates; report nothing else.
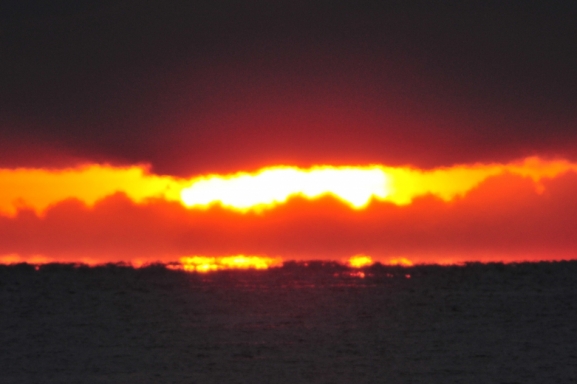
(478, 323)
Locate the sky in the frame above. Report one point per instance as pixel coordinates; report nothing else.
(466, 114)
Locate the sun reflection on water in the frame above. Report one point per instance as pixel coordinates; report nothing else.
(360, 261)
(208, 264)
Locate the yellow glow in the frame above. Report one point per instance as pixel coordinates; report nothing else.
(208, 264)
(360, 261)
(450, 182)
(271, 186)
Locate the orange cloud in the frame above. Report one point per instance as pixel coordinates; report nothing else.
(40, 188)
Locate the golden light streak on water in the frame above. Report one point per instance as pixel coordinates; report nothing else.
(360, 261)
(17, 259)
(207, 264)
(401, 261)
(13, 258)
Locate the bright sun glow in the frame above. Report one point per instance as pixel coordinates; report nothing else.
(355, 186)
(208, 264)
(360, 261)
(270, 186)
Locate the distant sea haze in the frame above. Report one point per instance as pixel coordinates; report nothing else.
(314, 322)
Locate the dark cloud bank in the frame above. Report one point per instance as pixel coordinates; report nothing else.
(225, 85)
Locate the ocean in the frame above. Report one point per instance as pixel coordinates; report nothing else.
(315, 323)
